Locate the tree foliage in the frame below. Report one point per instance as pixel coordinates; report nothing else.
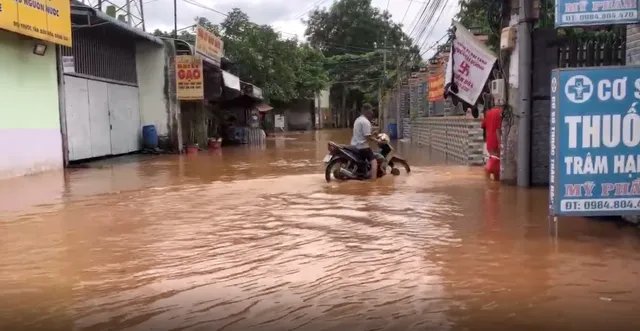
(285, 69)
(483, 17)
(354, 36)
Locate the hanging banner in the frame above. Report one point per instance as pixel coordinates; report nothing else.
(596, 12)
(209, 46)
(595, 135)
(48, 20)
(472, 64)
(436, 88)
(189, 80)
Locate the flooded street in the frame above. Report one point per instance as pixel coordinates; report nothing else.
(255, 239)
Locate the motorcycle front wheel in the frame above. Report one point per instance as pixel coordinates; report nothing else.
(396, 161)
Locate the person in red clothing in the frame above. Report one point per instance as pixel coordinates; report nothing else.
(492, 124)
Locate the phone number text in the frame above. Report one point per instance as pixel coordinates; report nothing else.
(600, 204)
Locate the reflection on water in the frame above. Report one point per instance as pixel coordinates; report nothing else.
(254, 239)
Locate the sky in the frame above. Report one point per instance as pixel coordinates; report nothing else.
(286, 15)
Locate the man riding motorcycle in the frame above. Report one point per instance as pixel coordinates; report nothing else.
(362, 135)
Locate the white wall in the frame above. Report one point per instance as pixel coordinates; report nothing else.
(150, 64)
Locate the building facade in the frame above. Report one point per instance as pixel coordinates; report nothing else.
(29, 117)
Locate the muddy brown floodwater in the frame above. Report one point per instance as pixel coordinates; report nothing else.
(255, 239)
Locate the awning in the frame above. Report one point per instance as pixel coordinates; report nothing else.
(263, 107)
(251, 90)
(230, 80)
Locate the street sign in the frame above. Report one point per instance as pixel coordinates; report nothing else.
(596, 12)
(595, 140)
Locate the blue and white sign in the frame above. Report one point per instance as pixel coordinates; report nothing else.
(595, 141)
(596, 12)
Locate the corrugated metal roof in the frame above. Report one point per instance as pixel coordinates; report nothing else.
(115, 22)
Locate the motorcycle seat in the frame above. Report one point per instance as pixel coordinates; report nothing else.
(351, 148)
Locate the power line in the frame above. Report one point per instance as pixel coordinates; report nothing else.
(434, 25)
(406, 11)
(432, 11)
(434, 44)
(357, 80)
(314, 6)
(197, 4)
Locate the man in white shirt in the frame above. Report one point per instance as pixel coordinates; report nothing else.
(362, 135)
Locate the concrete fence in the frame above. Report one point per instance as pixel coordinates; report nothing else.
(459, 138)
(406, 128)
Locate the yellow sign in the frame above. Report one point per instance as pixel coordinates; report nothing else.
(48, 20)
(189, 81)
(208, 45)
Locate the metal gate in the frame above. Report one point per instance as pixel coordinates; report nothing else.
(551, 51)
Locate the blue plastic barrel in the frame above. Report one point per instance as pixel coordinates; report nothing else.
(150, 136)
(393, 130)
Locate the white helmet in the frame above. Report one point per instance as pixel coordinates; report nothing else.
(383, 137)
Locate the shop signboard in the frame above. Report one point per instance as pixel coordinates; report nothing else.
(189, 80)
(596, 12)
(48, 20)
(279, 121)
(595, 140)
(209, 46)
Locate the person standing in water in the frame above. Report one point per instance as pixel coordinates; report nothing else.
(492, 124)
(362, 135)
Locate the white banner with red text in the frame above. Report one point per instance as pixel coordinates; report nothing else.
(472, 63)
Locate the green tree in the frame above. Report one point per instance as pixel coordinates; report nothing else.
(354, 36)
(483, 17)
(285, 69)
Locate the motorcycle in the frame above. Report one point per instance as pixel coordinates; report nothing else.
(353, 167)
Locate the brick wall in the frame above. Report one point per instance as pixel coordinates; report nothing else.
(633, 44)
(460, 138)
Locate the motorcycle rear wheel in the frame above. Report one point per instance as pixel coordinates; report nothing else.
(329, 169)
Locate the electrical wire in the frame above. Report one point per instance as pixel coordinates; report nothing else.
(197, 4)
(314, 6)
(423, 34)
(434, 25)
(435, 44)
(406, 11)
(357, 80)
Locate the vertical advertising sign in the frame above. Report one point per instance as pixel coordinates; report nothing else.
(189, 81)
(596, 12)
(595, 140)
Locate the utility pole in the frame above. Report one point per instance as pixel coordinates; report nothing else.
(381, 108)
(175, 19)
(524, 95)
(399, 97)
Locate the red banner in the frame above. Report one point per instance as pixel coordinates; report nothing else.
(436, 88)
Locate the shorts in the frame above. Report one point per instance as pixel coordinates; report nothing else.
(367, 154)
(493, 166)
